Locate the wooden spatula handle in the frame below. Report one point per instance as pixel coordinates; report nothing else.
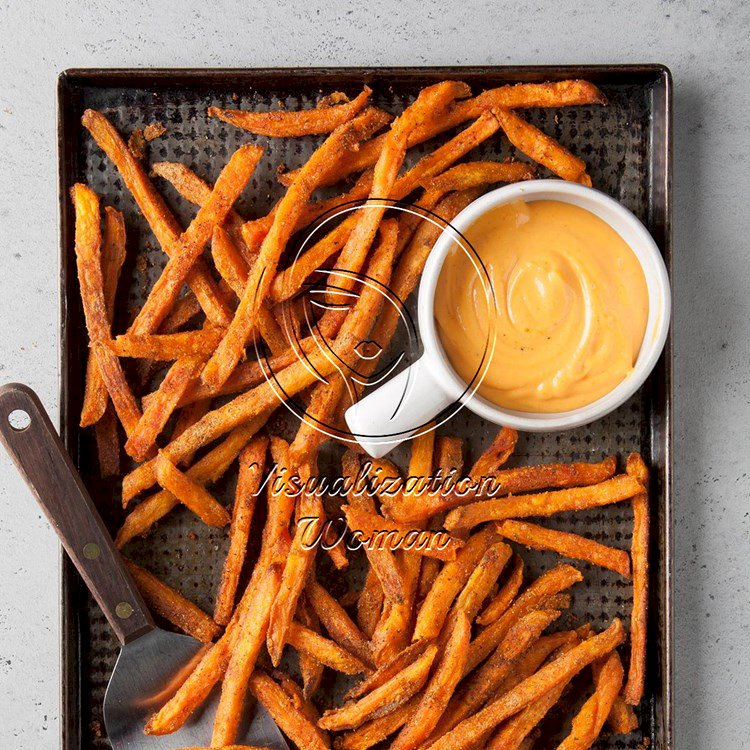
(41, 458)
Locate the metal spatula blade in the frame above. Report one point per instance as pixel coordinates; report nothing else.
(152, 662)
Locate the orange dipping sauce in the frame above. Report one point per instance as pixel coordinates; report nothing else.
(572, 306)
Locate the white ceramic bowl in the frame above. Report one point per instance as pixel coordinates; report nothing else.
(434, 383)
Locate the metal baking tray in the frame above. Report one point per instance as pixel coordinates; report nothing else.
(627, 148)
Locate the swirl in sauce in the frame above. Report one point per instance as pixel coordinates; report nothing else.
(572, 306)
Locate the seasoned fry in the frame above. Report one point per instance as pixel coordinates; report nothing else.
(88, 243)
(294, 691)
(172, 606)
(541, 148)
(286, 714)
(498, 452)
(251, 461)
(311, 669)
(569, 545)
(451, 579)
(285, 124)
(324, 650)
(191, 243)
(538, 593)
(227, 354)
(633, 690)
(167, 346)
(620, 487)
(384, 699)
(478, 173)
(375, 731)
(588, 722)
(337, 622)
(142, 439)
(449, 455)
(505, 596)
(163, 224)
(370, 602)
(112, 257)
(439, 689)
(190, 493)
(482, 579)
(249, 641)
(548, 677)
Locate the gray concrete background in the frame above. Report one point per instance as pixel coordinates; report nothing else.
(706, 46)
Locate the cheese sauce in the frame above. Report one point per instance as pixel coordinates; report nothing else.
(572, 306)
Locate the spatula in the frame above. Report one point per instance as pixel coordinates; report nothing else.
(151, 659)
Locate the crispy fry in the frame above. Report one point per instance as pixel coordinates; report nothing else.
(449, 455)
(482, 579)
(520, 479)
(384, 699)
(389, 670)
(440, 688)
(228, 747)
(622, 718)
(548, 677)
(294, 691)
(505, 596)
(249, 641)
(370, 603)
(620, 487)
(251, 461)
(498, 452)
(88, 243)
(337, 622)
(167, 346)
(285, 124)
(173, 606)
(633, 690)
(375, 731)
(478, 173)
(324, 650)
(191, 243)
(187, 418)
(311, 669)
(228, 352)
(286, 713)
(190, 493)
(451, 579)
(142, 439)
(546, 586)
(380, 533)
(569, 545)
(541, 148)
(112, 257)
(588, 722)
(163, 224)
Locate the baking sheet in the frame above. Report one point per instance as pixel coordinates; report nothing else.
(626, 146)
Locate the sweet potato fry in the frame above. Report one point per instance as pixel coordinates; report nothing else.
(88, 243)
(620, 487)
(498, 452)
(190, 493)
(562, 669)
(389, 670)
(370, 602)
(173, 606)
(482, 579)
(505, 596)
(384, 699)
(191, 243)
(286, 714)
(622, 718)
(588, 722)
(451, 579)
(251, 461)
(541, 148)
(520, 479)
(163, 224)
(440, 688)
(337, 622)
(249, 641)
(230, 349)
(311, 669)
(538, 593)
(375, 731)
(294, 691)
(228, 747)
(633, 690)
(324, 650)
(155, 416)
(449, 455)
(112, 257)
(286, 124)
(168, 346)
(381, 533)
(477, 174)
(569, 545)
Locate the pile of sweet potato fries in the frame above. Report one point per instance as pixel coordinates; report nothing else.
(449, 641)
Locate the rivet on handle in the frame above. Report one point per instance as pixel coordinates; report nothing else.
(91, 551)
(123, 610)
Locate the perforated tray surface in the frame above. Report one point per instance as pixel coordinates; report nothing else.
(625, 146)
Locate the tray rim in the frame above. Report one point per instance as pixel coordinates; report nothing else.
(154, 78)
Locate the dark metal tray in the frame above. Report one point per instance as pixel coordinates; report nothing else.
(627, 148)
